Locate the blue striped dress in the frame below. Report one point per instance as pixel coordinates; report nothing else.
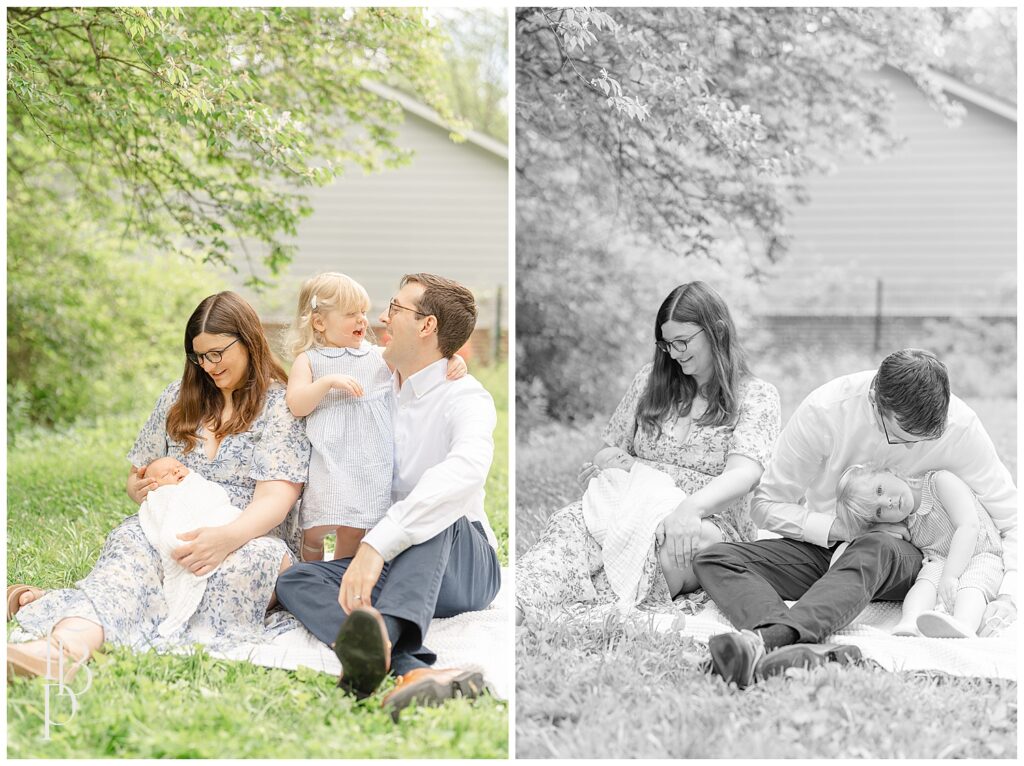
(352, 437)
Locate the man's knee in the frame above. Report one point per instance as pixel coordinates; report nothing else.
(711, 555)
(879, 545)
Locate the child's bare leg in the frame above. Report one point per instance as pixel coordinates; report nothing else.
(920, 599)
(346, 541)
(313, 543)
(969, 608)
(285, 563)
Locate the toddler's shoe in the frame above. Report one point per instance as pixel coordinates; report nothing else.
(941, 625)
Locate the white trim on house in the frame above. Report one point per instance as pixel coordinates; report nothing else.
(960, 89)
(411, 105)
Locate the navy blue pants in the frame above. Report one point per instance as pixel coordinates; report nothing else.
(751, 581)
(457, 571)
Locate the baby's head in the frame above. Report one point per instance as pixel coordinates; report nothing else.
(166, 470)
(613, 457)
(328, 294)
(867, 495)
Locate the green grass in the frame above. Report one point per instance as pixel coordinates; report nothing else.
(602, 691)
(65, 493)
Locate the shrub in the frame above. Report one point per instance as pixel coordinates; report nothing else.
(90, 331)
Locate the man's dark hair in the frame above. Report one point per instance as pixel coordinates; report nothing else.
(913, 385)
(451, 304)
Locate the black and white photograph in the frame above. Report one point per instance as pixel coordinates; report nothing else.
(765, 382)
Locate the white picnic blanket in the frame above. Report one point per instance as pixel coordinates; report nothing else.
(476, 640)
(622, 510)
(994, 657)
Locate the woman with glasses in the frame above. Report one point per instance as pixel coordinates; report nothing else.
(694, 412)
(227, 420)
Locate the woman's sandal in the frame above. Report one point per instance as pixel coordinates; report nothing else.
(14, 594)
(58, 661)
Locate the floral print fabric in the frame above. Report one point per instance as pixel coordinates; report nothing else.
(563, 572)
(124, 594)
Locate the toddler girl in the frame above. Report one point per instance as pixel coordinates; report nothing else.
(962, 551)
(341, 384)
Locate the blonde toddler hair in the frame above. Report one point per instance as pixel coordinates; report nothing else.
(325, 292)
(855, 506)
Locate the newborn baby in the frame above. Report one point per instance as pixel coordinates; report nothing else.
(182, 501)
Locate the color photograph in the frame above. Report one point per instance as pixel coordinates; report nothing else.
(257, 383)
(765, 384)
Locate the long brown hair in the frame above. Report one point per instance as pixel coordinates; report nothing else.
(200, 401)
(669, 389)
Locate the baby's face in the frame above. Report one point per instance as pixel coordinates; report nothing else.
(166, 471)
(892, 496)
(614, 457)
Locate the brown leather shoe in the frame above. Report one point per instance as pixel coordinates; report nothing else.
(427, 686)
(59, 662)
(364, 650)
(14, 594)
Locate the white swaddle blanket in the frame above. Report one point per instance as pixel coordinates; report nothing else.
(169, 511)
(622, 511)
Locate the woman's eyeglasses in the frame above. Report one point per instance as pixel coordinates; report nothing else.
(679, 345)
(210, 356)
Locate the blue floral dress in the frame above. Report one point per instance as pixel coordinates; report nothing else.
(563, 574)
(124, 591)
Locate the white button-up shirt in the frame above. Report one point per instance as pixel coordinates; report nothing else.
(836, 426)
(443, 451)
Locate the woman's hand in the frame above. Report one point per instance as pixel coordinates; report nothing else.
(205, 549)
(588, 471)
(679, 533)
(456, 368)
(138, 485)
(347, 384)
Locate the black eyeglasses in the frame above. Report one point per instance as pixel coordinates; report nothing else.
(210, 356)
(395, 306)
(881, 419)
(679, 345)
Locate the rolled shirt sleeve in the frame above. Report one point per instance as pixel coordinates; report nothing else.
(443, 492)
(800, 452)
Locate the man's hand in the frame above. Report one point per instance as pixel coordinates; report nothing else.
(998, 614)
(360, 578)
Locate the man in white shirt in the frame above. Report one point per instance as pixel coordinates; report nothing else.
(900, 417)
(433, 554)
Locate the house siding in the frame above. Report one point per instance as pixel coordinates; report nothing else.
(446, 212)
(935, 222)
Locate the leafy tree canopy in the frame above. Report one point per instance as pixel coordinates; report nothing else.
(692, 119)
(189, 129)
(684, 132)
(475, 76)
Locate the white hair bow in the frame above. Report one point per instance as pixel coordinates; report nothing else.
(313, 303)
